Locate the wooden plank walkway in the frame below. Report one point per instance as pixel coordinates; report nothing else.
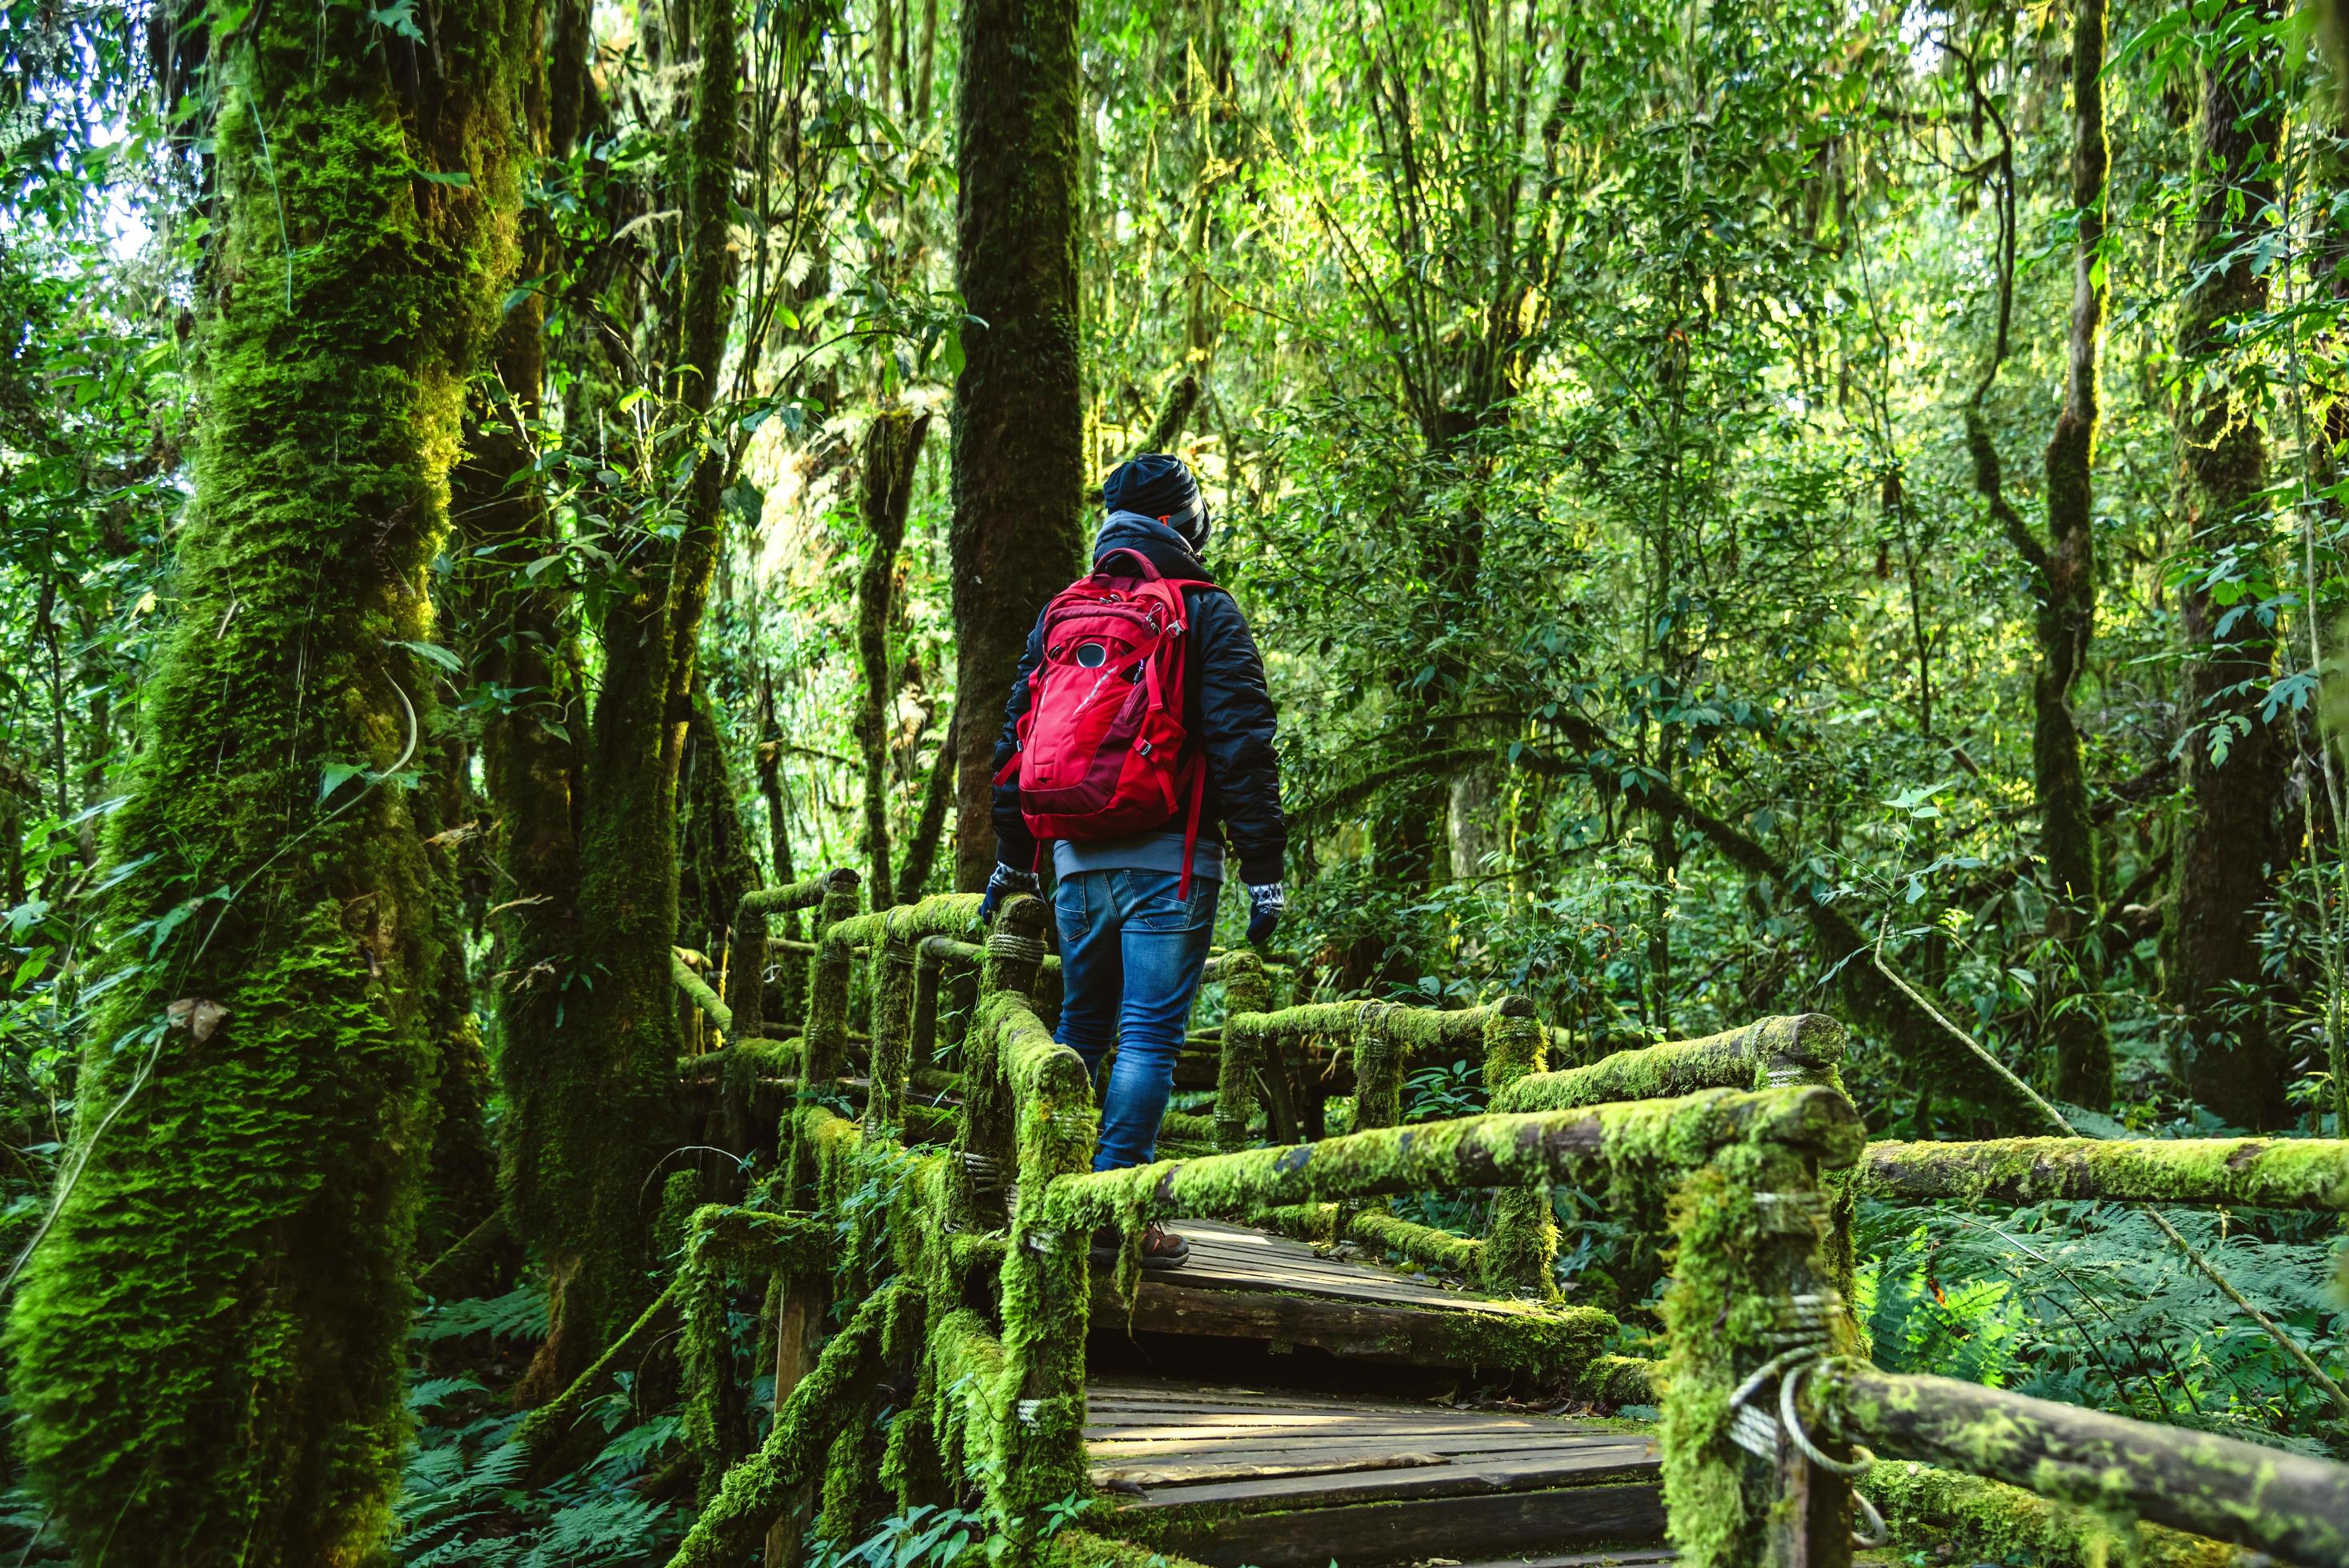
(1243, 1284)
(1235, 1257)
(1297, 1480)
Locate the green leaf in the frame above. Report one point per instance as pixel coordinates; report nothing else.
(333, 775)
(433, 652)
(171, 922)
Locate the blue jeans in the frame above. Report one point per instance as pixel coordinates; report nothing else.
(1130, 955)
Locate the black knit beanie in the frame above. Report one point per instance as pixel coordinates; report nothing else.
(1157, 485)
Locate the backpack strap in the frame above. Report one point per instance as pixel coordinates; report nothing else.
(1190, 828)
(1149, 573)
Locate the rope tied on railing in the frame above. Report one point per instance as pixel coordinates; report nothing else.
(1013, 948)
(985, 1171)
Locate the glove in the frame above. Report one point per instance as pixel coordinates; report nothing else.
(1005, 880)
(1266, 904)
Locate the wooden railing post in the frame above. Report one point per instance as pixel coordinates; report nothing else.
(929, 966)
(984, 1150)
(1046, 1293)
(1521, 1242)
(1247, 995)
(824, 1042)
(1750, 1300)
(893, 1000)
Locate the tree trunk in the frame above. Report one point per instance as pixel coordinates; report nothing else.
(892, 446)
(2232, 841)
(721, 864)
(1018, 412)
(2064, 580)
(531, 761)
(461, 1187)
(211, 1339)
(607, 1122)
(922, 850)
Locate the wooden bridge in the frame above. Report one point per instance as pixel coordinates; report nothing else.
(917, 1250)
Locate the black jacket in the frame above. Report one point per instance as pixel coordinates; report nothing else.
(1227, 708)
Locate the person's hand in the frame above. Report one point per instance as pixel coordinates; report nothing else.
(1005, 880)
(1266, 904)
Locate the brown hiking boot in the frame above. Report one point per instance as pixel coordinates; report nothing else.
(1161, 1248)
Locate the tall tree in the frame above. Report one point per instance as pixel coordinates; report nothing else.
(2063, 583)
(2230, 842)
(1019, 411)
(594, 1121)
(211, 1334)
(892, 446)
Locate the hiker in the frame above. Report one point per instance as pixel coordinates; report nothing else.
(1139, 788)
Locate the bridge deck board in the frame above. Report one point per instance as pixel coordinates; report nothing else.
(1256, 1476)
(1235, 1258)
(1177, 1444)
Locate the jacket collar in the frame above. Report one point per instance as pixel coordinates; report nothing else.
(1148, 537)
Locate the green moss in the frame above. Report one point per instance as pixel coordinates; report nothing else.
(1648, 1141)
(550, 1421)
(1422, 1243)
(1185, 1127)
(718, 1241)
(697, 991)
(1045, 1289)
(757, 1491)
(1805, 1049)
(209, 1341)
(899, 931)
(1941, 1511)
(1084, 1549)
(2292, 1506)
(1014, 952)
(2283, 1173)
(1623, 1380)
(680, 1196)
(1247, 997)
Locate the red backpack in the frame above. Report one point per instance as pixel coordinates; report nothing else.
(1102, 752)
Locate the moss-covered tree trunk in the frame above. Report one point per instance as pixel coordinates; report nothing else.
(2230, 841)
(605, 1114)
(1019, 411)
(2064, 582)
(209, 1341)
(892, 446)
(533, 763)
(717, 866)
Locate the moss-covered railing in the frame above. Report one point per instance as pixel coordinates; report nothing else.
(946, 1246)
(1749, 1219)
(1515, 1254)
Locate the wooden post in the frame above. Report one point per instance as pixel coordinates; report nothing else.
(1046, 1288)
(984, 1150)
(929, 963)
(1246, 996)
(824, 1044)
(1809, 1507)
(798, 1324)
(893, 999)
(1521, 1244)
